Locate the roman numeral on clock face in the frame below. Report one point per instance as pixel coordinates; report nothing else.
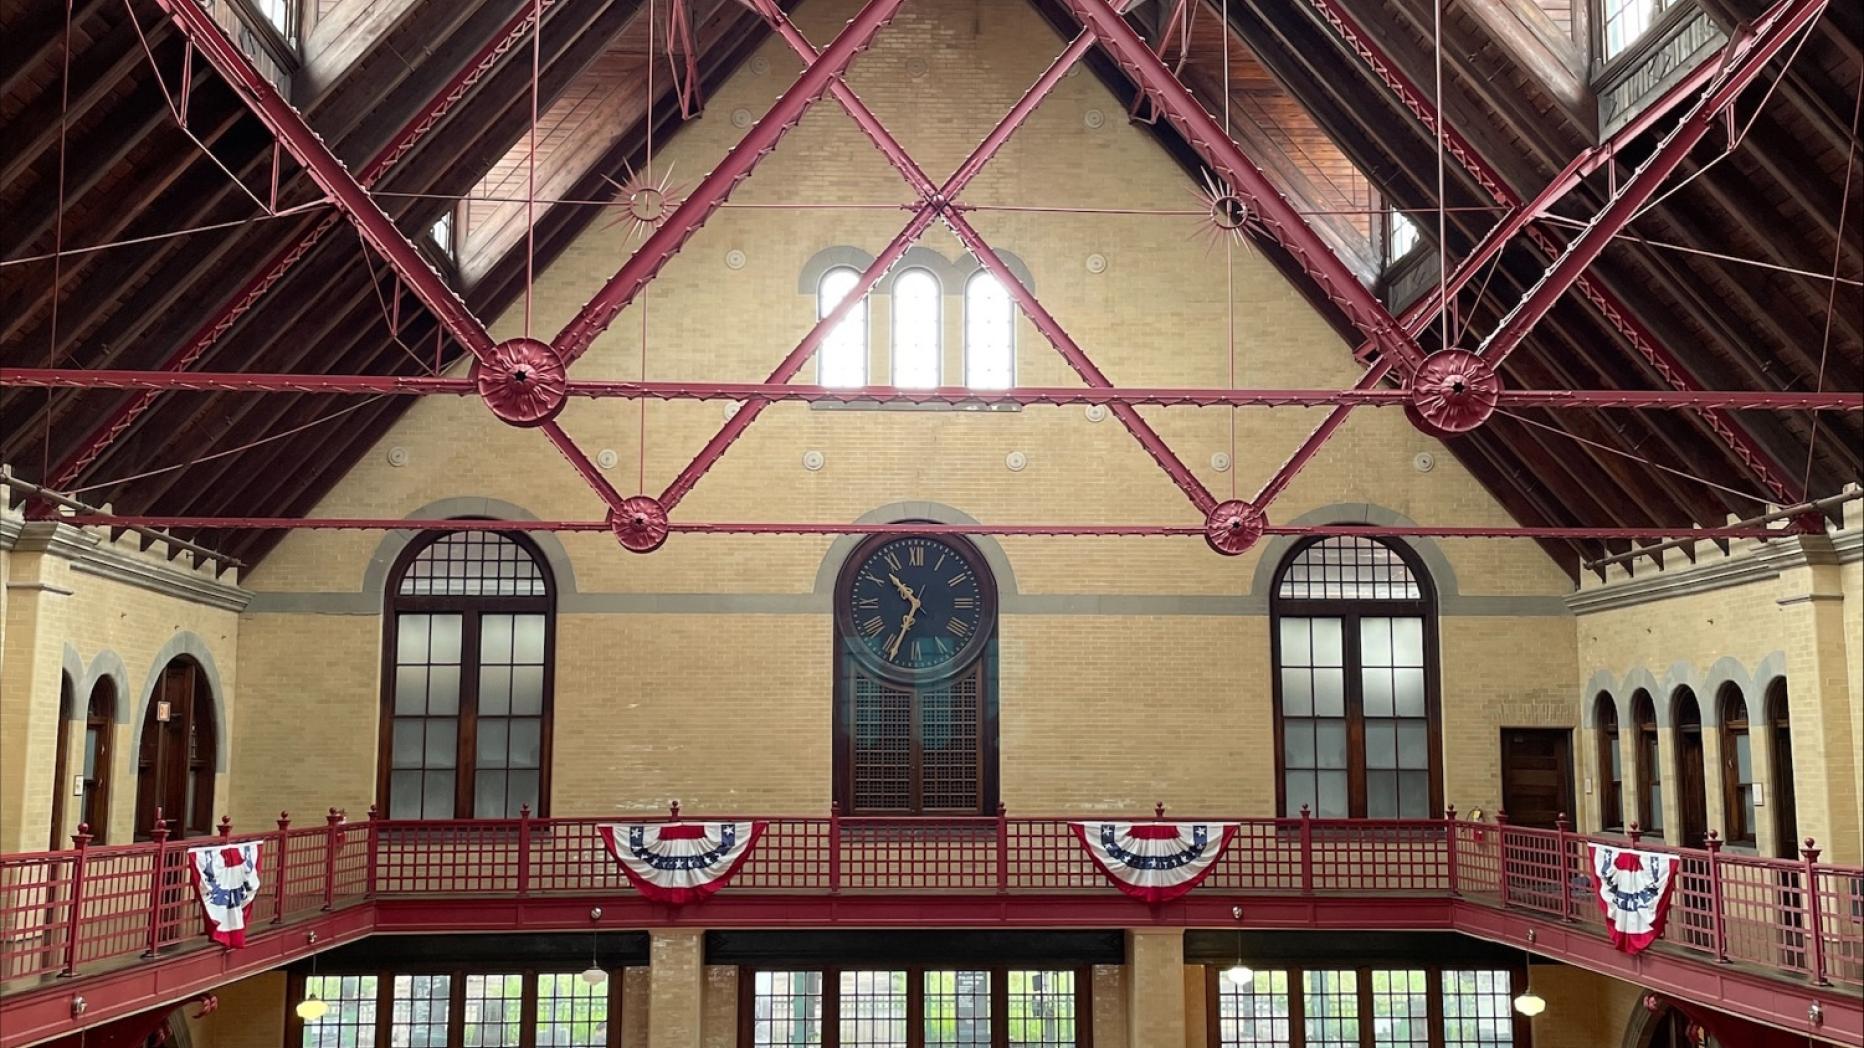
(958, 628)
(872, 627)
(916, 556)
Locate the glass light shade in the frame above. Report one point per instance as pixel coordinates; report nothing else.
(312, 1008)
(1530, 1004)
(1239, 974)
(594, 976)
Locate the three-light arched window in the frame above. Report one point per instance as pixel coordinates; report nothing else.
(989, 333)
(1356, 681)
(1611, 765)
(841, 360)
(917, 329)
(466, 704)
(1649, 764)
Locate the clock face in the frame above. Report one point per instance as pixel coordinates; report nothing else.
(916, 605)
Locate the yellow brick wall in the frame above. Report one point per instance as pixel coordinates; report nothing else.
(639, 696)
(62, 621)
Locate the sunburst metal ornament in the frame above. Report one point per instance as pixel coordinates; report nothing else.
(644, 204)
(1226, 214)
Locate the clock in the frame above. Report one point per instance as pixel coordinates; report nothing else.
(916, 607)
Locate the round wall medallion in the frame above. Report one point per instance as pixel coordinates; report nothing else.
(731, 409)
(1097, 263)
(1453, 391)
(1232, 527)
(639, 524)
(522, 381)
(398, 456)
(1228, 212)
(814, 460)
(734, 259)
(1424, 462)
(1016, 461)
(1096, 412)
(741, 118)
(1220, 462)
(760, 65)
(606, 458)
(1094, 119)
(916, 67)
(1074, 70)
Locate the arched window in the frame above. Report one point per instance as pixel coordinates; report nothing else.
(99, 724)
(1356, 682)
(989, 333)
(1785, 809)
(61, 760)
(917, 346)
(1692, 797)
(466, 710)
(1737, 767)
(175, 762)
(1611, 765)
(1649, 764)
(842, 358)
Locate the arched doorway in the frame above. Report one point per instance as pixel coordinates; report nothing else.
(175, 761)
(1692, 786)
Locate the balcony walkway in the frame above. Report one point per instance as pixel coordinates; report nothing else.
(1761, 938)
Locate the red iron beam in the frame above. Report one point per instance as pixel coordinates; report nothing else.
(711, 192)
(1446, 531)
(1661, 359)
(1746, 57)
(958, 396)
(115, 424)
(1268, 208)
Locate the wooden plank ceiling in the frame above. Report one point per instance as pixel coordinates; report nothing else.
(1304, 106)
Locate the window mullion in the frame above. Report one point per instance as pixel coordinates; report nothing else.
(1000, 1007)
(1297, 1008)
(527, 1010)
(915, 1008)
(831, 1008)
(468, 733)
(456, 1009)
(1354, 685)
(1433, 1005)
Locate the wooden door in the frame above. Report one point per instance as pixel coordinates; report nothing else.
(1537, 775)
(1694, 794)
(175, 760)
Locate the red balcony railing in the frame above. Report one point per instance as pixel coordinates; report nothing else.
(92, 909)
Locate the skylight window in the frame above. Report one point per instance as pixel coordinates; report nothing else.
(282, 15)
(1627, 20)
(441, 233)
(1401, 236)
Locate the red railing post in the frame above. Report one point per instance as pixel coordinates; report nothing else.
(1717, 930)
(1307, 851)
(1815, 922)
(834, 848)
(1634, 833)
(1501, 855)
(284, 836)
(80, 840)
(1003, 850)
(158, 835)
(375, 816)
(226, 827)
(1449, 849)
(1563, 830)
(331, 821)
(524, 849)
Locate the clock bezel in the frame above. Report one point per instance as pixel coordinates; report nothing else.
(965, 657)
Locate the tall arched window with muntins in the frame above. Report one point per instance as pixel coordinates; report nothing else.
(841, 360)
(1738, 775)
(917, 345)
(99, 726)
(1611, 764)
(1356, 681)
(1692, 796)
(1780, 748)
(989, 333)
(466, 703)
(61, 758)
(1649, 764)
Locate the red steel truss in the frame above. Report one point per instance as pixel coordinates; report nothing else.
(524, 381)
(1664, 361)
(1762, 938)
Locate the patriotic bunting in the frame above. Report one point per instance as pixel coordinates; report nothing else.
(680, 862)
(1155, 861)
(1634, 889)
(226, 877)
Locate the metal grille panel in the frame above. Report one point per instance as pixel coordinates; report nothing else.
(473, 564)
(1349, 567)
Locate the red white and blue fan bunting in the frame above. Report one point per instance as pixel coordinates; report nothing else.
(1155, 861)
(680, 862)
(1634, 889)
(226, 877)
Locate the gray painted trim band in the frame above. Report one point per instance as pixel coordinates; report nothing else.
(1766, 561)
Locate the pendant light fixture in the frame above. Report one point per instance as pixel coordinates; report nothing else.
(313, 1007)
(594, 975)
(1239, 974)
(1527, 1002)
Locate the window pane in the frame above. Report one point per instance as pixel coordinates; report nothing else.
(408, 746)
(418, 1018)
(1330, 743)
(495, 638)
(446, 638)
(989, 334)
(1328, 645)
(1332, 787)
(873, 1009)
(1382, 794)
(1477, 1009)
(527, 639)
(1414, 795)
(1301, 793)
(786, 1009)
(442, 743)
(916, 343)
(1041, 1008)
(1413, 744)
(1254, 1015)
(570, 1012)
(350, 1022)
(494, 1016)
(1381, 744)
(842, 359)
(1408, 642)
(411, 638)
(411, 689)
(1408, 692)
(1297, 692)
(488, 795)
(1294, 642)
(494, 691)
(1375, 642)
(957, 1009)
(1332, 1000)
(1376, 688)
(404, 795)
(1400, 1009)
(527, 690)
(437, 795)
(492, 742)
(1329, 692)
